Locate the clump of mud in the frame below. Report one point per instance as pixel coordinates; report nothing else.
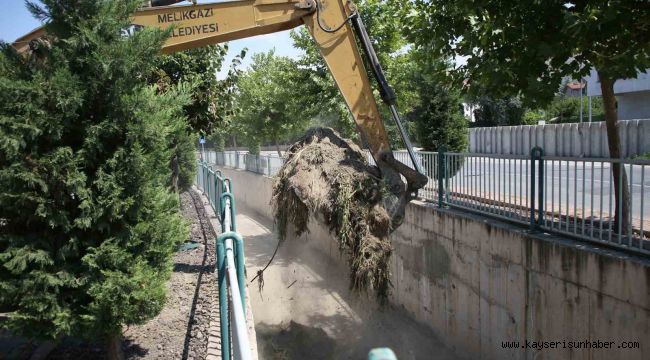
(328, 175)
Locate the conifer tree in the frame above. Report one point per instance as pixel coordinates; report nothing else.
(87, 225)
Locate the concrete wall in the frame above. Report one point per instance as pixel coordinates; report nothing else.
(634, 105)
(574, 140)
(477, 283)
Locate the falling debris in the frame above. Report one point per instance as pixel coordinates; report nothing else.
(328, 176)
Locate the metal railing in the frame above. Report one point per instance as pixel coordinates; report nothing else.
(268, 165)
(230, 264)
(569, 196)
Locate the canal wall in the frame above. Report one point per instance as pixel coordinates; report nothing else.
(483, 285)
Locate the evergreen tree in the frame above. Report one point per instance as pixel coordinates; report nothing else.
(87, 227)
(438, 118)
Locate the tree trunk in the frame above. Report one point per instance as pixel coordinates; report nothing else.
(621, 189)
(234, 143)
(114, 348)
(277, 146)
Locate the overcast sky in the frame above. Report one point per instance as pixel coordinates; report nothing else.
(16, 21)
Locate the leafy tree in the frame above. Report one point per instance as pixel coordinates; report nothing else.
(527, 47)
(87, 227)
(199, 66)
(211, 101)
(267, 101)
(506, 111)
(564, 109)
(326, 96)
(228, 128)
(383, 28)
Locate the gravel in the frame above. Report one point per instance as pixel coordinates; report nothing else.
(178, 332)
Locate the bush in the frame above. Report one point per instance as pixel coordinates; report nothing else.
(498, 112)
(87, 225)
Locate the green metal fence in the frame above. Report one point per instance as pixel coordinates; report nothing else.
(230, 263)
(569, 196)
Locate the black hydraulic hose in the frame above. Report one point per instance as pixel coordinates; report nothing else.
(322, 27)
(385, 90)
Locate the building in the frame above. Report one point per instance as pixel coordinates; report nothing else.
(468, 111)
(632, 95)
(572, 88)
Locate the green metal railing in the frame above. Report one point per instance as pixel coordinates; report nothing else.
(230, 263)
(574, 197)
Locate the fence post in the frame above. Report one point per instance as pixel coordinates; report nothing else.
(223, 296)
(441, 175)
(536, 158)
(268, 165)
(240, 263)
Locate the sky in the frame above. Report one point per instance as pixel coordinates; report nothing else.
(16, 21)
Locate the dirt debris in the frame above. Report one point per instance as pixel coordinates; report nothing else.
(329, 176)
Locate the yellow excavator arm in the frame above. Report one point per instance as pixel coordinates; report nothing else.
(332, 23)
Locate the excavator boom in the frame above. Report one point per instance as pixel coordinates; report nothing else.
(329, 22)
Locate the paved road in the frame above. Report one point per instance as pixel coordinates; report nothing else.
(573, 188)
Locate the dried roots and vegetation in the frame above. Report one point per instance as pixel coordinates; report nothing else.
(327, 175)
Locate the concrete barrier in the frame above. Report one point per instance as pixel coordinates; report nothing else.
(479, 284)
(571, 140)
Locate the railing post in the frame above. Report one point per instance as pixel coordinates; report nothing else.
(222, 214)
(240, 263)
(229, 188)
(223, 296)
(536, 158)
(541, 206)
(441, 175)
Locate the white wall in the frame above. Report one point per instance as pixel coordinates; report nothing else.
(634, 105)
(640, 83)
(572, 140)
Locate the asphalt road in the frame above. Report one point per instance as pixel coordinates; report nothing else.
(570, 187)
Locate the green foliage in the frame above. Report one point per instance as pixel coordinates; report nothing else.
(564, 109)
(87, 227)
(525, 48)
(432, 111)
(268, 102)
(198, 66)
(325, 96)
(438, 118)
(210, 106)
(383, 28)
(184, 157)
(498, 112)
(532, 117)
(644, 156)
